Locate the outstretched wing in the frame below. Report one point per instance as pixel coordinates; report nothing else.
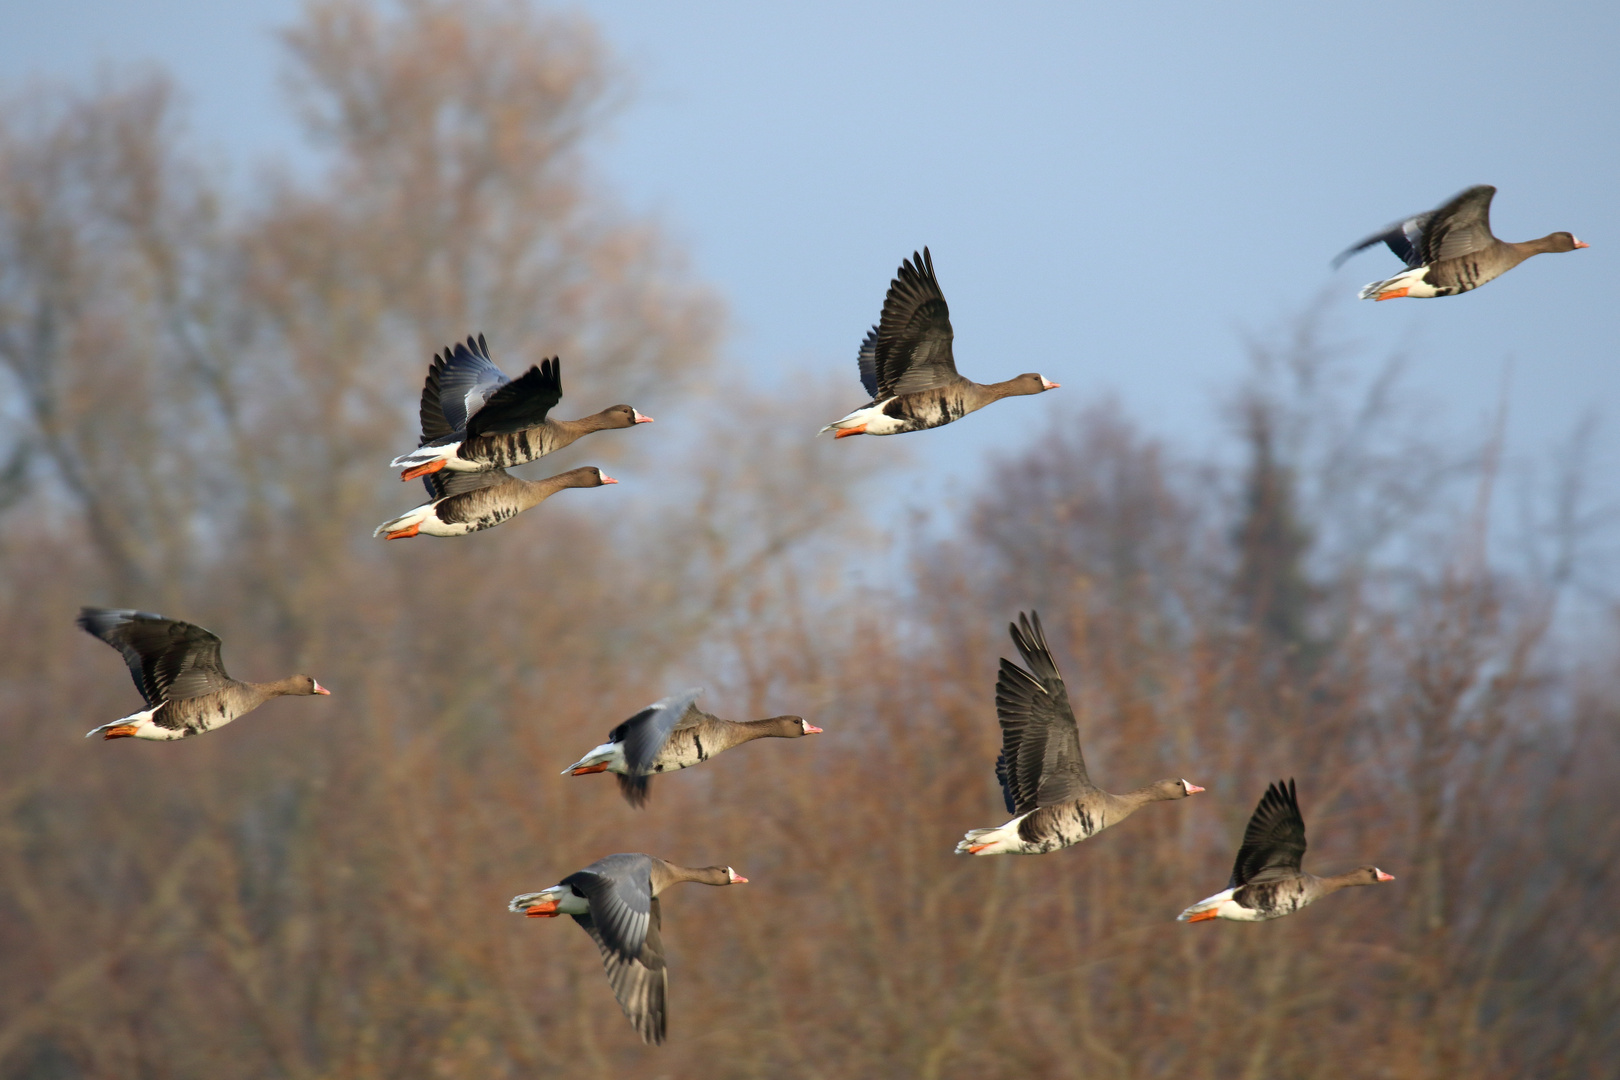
(1460, 227)
(1040, 762)
(618, 890)
(467, 378)
(912, 350)
(644, 734)
(1274, 843)
(430, 412)
(448, 482)
(640, 983)
(868, 363)
(521, 403)
(169, 660)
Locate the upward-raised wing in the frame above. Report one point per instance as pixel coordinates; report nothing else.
(640, 983)
(1460, 227)
(519, 404)
(868, 363)
(1274, 843)
(430, 412)
(618, 890)
(169, 660)
(466, 380)
(644, 734)
(913, 347)
(1040, 763)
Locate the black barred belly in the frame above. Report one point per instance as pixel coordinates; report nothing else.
(927, 409)
(504, 451)
(1053, 827)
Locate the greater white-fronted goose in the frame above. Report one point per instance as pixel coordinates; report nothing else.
(616, 900)
(1042, 773)
(465, 502)
(675, 734)
(1451, 250)
(1267, 882)
(907, 366)
(474, 418)
(176, 668)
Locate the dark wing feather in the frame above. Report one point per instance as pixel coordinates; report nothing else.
(645, 733)
(448, 482)
(1040, 763)
(618, 889)
(913, 347)
(430, 412)
(521, 403)
(169, 660)
(640, 983)
(868, 363)
(1460, 227)
(1403, 238)
(1274, 842)
(466, 380)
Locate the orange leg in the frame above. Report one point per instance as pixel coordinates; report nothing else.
(1203, 916)
(976, 848)
(586, 770)
(122, 731)
(422, 470)
(405, 534)
(1394, 294)
(847, 432)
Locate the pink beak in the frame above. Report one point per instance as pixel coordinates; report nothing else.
(640, 419)
(1048, 384)
(319, 689)
(738, 879)
(811, 729)
(1385, 877)
(606, 479)
(1193, 789)
(1581, 244)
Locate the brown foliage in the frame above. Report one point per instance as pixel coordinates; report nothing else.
(206, 403)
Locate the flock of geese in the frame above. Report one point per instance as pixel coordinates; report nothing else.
(476, 422)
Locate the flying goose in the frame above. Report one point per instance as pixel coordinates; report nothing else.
(465, 502)
(176, 668)
(1451, 250)
(675, 734)
(1267, 882)
(1043, 776)
(616, 900)
(907, 366)
(475, 418)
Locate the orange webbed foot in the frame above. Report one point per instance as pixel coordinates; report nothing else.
(1203, 916)
(422, 470)
(1393, 294)
(847, 432)
(406, 533)
(586, 770)
(122, 731)
(976, 848)
(547, 910)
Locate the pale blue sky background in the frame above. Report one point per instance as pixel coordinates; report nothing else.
(1113, 193)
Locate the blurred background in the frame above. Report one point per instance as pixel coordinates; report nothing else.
(1272, 531)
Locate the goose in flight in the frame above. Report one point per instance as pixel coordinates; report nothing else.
(907, 366)
(177, 669)
(474, 418)
(1043, 775)
(1267, 882)
(615, 900)
(1451, 250)
(675, 734)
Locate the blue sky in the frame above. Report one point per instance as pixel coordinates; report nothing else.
(1114, 195)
